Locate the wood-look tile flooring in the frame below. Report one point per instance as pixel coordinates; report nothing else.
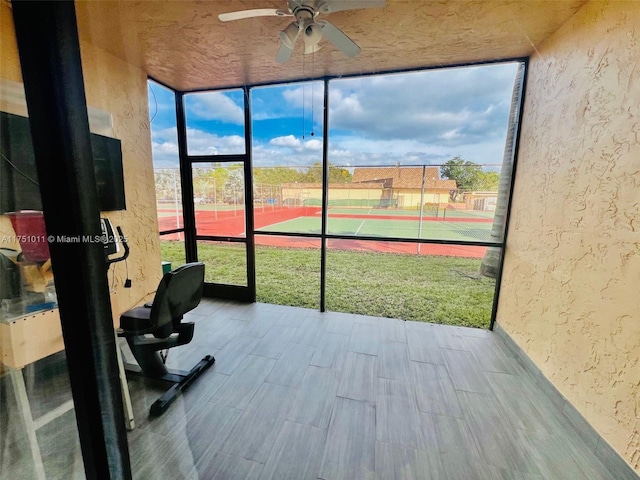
(297, 394)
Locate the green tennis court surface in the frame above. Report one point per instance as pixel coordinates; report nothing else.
(441, 230)
(427, 212)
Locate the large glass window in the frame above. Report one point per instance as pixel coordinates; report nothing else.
(416, 156)
(164, 148)
(419, 156)
(287, 128)
(414, 171)
(420, 166)
(287, 144)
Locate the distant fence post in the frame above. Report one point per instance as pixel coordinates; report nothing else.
(215, 198)
(261, 197)
(175, 202)
(424, 173)
(235, 202)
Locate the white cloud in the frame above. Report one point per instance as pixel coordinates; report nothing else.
(296, 144)
(314, 145)
(203, 143)
(424, 117)
(425, 106)
(288, 141)
(267, 154)
(345, 152)
(305, 100)
(307, 94)
(164, 145)
(214, 106)
(451, 134)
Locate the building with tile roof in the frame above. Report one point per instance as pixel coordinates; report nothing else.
(377, 187)
(402, 186)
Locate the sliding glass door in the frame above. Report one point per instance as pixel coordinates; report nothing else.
(287, 153)
(216, 165)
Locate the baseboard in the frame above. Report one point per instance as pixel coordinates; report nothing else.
(610, 458)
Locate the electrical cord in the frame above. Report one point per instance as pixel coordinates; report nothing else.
(156, 103)
(19, 171)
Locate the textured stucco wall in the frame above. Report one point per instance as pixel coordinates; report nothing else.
(570, 293)
(120, 89)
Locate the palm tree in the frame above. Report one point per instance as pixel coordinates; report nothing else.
(491, 261)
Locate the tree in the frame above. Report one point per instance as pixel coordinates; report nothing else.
(466, 174)
(267, 182)
(489, 182)
(167, 185)
(468, 177)
(313, 174)
(339, 175)
(209, 183)
(234, 188)
(203, 184)
(275, 175)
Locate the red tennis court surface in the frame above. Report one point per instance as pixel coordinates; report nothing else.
(231, 223)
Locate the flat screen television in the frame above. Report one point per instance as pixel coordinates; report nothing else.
(19, 188)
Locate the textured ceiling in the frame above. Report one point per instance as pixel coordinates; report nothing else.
(184, 45)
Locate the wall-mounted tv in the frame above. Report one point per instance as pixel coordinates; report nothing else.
(19, 188)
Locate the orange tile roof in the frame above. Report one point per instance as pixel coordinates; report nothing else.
(404, 177)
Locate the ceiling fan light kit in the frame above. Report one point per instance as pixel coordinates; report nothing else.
(305, 24)
(289, 35)
(311, 48)
(312, 32)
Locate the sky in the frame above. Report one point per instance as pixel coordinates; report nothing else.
(424, 117)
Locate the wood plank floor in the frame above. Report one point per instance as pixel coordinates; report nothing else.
(298, 394)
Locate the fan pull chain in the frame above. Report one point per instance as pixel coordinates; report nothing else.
(313, 65)
(304, 88)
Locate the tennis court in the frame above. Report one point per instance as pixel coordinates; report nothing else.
(455, 226)
(434, 213)
(430, 229)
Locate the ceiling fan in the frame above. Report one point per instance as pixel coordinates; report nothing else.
(307, 26)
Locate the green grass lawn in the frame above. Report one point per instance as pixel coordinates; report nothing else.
(444, 290)
(433, 289)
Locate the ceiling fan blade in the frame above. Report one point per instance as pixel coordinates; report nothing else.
(258, 12)
(284, 54)
(338, 38)
(330, 6)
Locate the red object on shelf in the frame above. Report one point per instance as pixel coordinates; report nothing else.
(32, 234)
